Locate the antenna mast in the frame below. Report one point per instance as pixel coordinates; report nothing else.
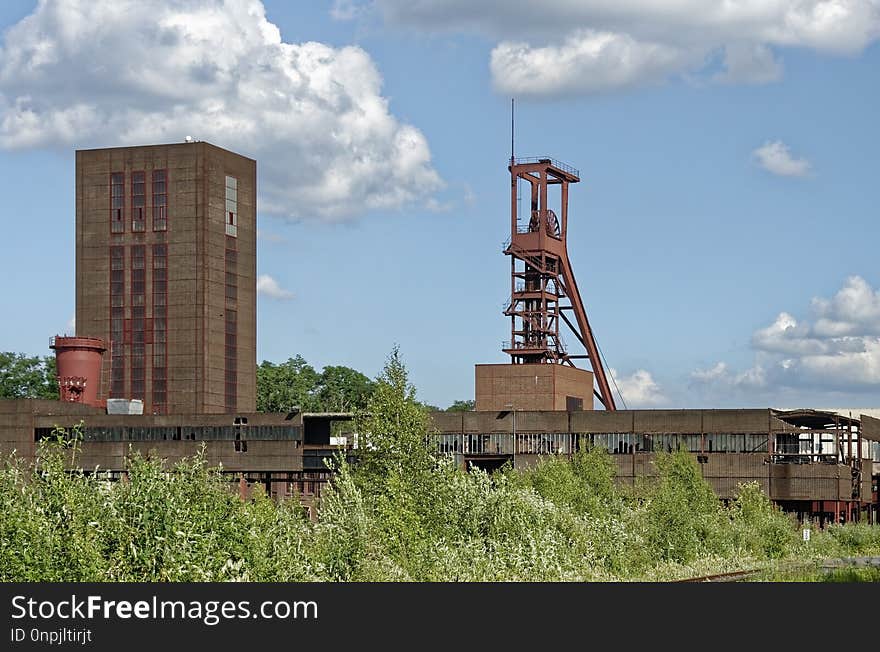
(511, 131)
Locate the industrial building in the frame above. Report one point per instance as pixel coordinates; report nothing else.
(816, 464)
(163, 360)
(166, 274)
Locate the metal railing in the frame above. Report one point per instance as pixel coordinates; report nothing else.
(543, 159)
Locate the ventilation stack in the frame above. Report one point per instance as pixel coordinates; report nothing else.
(78, 362)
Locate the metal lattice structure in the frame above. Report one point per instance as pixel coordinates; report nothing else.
(543, 290)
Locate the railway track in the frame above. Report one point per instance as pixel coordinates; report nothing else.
(734, 576)
(827, 565)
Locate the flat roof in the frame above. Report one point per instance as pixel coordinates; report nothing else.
(177, 144)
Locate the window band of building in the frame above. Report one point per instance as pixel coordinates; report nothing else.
(231, 206)
(138, 201)
(231, 327)
(160, 328)
(160, 200)
(117, 202)
(138, 322)
(117, 321)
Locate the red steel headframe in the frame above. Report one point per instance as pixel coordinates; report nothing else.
(542, 286)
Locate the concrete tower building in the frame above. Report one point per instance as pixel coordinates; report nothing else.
(166, 274)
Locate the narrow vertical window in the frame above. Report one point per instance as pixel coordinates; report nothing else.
(160, 328)
(230, 353)
(160, 200)
(138, 201)
(138, 321)
(231, 206)
(117, 322)
(117, 202)
(231, 362)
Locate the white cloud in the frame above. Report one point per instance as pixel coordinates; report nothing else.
(776, 157)
(721, 376)
(749, 63)
(587, 61)
(855, 308)
(711, 374)
(584, 46)
(836, 349)
(786, 335)
(269, 287)
(639, 389)
(71, 324)
(121, 72)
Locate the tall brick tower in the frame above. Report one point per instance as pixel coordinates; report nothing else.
(166, 274)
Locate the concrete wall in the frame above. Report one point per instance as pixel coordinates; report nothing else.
(259, 456)
(531, 386)
(18, 418)
(601, 421)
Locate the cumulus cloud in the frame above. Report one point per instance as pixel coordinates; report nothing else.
(854, 309)
(835, 349)
(639, 389)
(71, 324)
(775, 157)
(269, 287)
(720, 375)
(710, 374)
(122, 72)
(587, 61)
(585, 46)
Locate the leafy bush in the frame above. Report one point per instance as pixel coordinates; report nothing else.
(684, 517)
(759, 527)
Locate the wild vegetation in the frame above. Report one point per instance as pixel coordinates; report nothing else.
(400, 513)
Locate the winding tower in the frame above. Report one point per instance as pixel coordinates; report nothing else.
(544, 302)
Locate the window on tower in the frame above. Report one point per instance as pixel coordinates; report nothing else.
(160, 200)
(231, 206)
(138, 201)
(117, 202)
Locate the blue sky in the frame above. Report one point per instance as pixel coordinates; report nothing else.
(724, 233)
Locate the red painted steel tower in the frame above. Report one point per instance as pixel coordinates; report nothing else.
(544, 292)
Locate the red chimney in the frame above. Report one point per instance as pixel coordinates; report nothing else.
(78, 362)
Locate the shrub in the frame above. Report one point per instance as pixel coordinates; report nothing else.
(758, 527)
(684, 517)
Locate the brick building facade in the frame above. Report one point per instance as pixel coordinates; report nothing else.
(166, 274)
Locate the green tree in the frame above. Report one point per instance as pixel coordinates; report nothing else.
(342, 389)
(27, 377)
(462, 406)
(394, 427)
(283, 386)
